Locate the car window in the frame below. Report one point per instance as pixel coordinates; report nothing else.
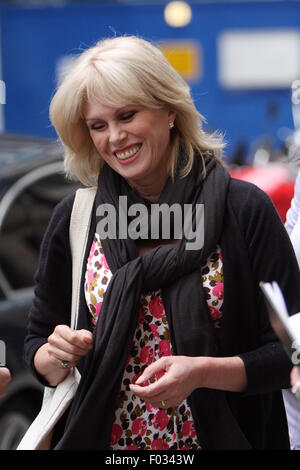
(23, 227)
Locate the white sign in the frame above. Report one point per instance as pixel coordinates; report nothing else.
(259, 58)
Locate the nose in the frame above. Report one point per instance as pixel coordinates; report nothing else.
(117, 134)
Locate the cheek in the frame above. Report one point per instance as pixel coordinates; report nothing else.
(156, 133)
(160, 141)
(98, 143)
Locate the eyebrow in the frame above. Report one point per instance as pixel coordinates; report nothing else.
(93, 119)
(118, 111)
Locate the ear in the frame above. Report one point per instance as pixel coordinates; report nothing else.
(172, 116)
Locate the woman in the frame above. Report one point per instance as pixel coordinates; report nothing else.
(173, 343)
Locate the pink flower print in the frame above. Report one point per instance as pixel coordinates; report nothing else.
(150, 408)
(104, 262)
(146, 355)
(90, 276)
(92, 251)
(218, 290)
(215, 313)
(161, 420)
(116, 433)
(159, 444)
(188, 429)
(131, 447)
(164, 348)
(154, 330)
(139, 426)
(156, 307)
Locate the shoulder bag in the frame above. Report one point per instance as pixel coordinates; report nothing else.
(57, 400)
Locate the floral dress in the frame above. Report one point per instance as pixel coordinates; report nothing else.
(137, 424)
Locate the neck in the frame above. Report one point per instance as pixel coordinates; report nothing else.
(151, 196)
(151, 190)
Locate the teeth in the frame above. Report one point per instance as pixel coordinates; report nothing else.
(128, 153)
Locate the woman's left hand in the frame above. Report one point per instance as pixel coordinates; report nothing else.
(178, 378)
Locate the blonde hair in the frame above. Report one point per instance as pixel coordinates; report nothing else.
(117, 72)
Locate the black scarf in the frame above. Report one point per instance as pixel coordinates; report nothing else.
(176, 271)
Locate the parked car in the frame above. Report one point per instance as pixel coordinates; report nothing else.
(31, 184)
(275, 178)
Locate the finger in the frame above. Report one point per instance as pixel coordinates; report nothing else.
(60, 345)
(156, 367)
(64, 345)
(84, 337)
(80, 338)
(150, 392)
(295, 375)
(76, 342)
(64, 353)
(166, 404)
(5, 378)
(158, 400)
(63, 364)
(162, 404)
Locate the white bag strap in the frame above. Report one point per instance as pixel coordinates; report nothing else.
(78, 233)
(57, 400)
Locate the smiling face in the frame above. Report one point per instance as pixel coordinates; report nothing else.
(134, 141)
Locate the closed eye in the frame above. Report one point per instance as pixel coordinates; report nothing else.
(127, 116)
(123, 117)
(97, 126)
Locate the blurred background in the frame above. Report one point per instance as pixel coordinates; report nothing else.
(240, 59)
(242, 62)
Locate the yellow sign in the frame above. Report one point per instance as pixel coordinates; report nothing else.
(185, 57)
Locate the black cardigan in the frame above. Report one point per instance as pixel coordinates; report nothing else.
(262, 238)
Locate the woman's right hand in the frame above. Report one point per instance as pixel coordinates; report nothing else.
(64, 344)
(69, 345)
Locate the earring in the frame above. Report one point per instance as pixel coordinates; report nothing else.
(171, 125)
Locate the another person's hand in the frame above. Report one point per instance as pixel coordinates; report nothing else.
(5, 378)
(295, 381)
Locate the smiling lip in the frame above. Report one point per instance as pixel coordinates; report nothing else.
(128, 154)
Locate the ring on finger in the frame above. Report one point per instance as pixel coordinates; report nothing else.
(64, 364)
